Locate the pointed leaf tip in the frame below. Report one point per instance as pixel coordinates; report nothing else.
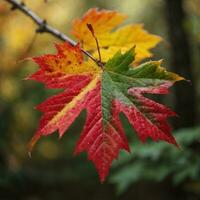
(32, 143)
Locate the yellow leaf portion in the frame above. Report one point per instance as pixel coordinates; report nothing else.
(162, 70)
(103, 22)
(68, 60)
(110, 40)
(133, 35)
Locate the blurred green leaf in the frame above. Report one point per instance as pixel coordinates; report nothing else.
(156, 161)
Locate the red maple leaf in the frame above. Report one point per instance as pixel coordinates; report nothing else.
(104, 93)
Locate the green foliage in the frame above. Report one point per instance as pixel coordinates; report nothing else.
(156, 161)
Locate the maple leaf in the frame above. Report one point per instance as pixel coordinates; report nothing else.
(104, 93)
(111, 39)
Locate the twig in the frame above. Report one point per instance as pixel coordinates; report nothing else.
(44, 27)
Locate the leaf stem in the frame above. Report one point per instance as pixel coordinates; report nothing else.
(44, 27)
(96, 40)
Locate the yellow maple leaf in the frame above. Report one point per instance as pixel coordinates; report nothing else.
(110, 38)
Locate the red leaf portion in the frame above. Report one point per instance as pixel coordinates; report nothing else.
(58, 80)
(101, 142)
(154, 122)
(56, 104)
(56, 71)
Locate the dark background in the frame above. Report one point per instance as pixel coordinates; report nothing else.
(152, 171)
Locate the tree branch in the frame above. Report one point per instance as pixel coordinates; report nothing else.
(44, 27)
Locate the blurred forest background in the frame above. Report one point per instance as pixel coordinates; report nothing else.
(152, 171)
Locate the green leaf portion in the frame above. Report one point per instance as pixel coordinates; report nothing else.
(147, 74)
(120, 62)
(119, 76)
